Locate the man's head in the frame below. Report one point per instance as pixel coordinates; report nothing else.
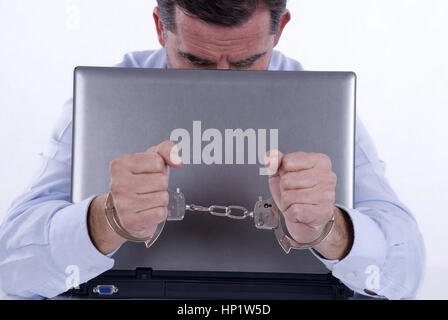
(220, 34)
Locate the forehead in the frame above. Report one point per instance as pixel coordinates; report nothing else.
(194, 29)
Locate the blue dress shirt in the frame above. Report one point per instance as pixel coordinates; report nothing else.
(43, 233)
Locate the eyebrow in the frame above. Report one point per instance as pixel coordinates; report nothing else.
(196, 60)
(208, 63)
(249, 61)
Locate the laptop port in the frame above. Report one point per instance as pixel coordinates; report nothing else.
(107, 290)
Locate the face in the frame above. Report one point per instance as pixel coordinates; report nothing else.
(198, 45)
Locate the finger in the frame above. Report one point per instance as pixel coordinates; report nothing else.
(152, 200)
(153, 216)
(138, 163)
(273, 161)
(274, 187)
(306, 196)
(298, 161)
(132, 203)
(139, 183)
(311, 215)
(143, 231)
(145, 223)
(170, 153)
(306, 179)
(303, 233)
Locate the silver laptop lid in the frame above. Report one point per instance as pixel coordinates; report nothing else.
(120, 111)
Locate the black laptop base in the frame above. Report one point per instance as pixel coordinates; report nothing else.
(145, 283)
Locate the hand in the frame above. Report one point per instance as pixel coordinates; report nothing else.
(138, 185)
(303, 187)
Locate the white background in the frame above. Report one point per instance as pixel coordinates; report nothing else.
(398, 49)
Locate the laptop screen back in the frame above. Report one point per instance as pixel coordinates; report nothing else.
(121, 111)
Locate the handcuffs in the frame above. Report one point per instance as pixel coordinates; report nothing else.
(266, 215)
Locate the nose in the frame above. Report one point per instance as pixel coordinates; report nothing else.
(223, 65)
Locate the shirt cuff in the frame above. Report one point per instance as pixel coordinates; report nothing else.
(75, 256)
(360, 270)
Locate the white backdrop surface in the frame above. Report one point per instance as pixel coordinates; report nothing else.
(398, 49)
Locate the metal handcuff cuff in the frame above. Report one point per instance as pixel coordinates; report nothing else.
(266, 216)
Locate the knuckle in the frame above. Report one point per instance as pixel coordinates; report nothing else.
(289, 159)
(285, 199)
(286, 160)
(298, 154)
(160, 214)
(285, 182)
(296, 211)
(333, 178)
(290, 215)
(158, 163)
(302, 214)
(159, 182)
(329, 196)
(164, 181)
(116, 186)
(164, 198)
(329, 212)
(115, 166)
(324, 159)
(323, 156)
(318, 156)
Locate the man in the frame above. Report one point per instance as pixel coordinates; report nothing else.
(44, 233)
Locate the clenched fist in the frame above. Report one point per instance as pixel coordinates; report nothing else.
(303, 187)
(138, 185)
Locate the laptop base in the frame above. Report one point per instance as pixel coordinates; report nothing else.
(145, 283)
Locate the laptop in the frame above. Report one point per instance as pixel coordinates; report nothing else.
(123, 111)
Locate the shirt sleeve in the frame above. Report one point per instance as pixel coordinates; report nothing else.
(45, 246)
(44, 240)
(388, 256)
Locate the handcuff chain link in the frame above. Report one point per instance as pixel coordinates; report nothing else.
(231, 212)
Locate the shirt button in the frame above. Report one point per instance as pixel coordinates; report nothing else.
(350, 275)
(93, 270)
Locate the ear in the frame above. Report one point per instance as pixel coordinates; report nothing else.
(286, 17)
(159, 26)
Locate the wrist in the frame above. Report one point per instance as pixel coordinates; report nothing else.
(339, 242)
(101, 235)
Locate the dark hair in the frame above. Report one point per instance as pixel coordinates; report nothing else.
(227, 13)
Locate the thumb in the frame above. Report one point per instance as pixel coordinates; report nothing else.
(273, 160)
(170, 153)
